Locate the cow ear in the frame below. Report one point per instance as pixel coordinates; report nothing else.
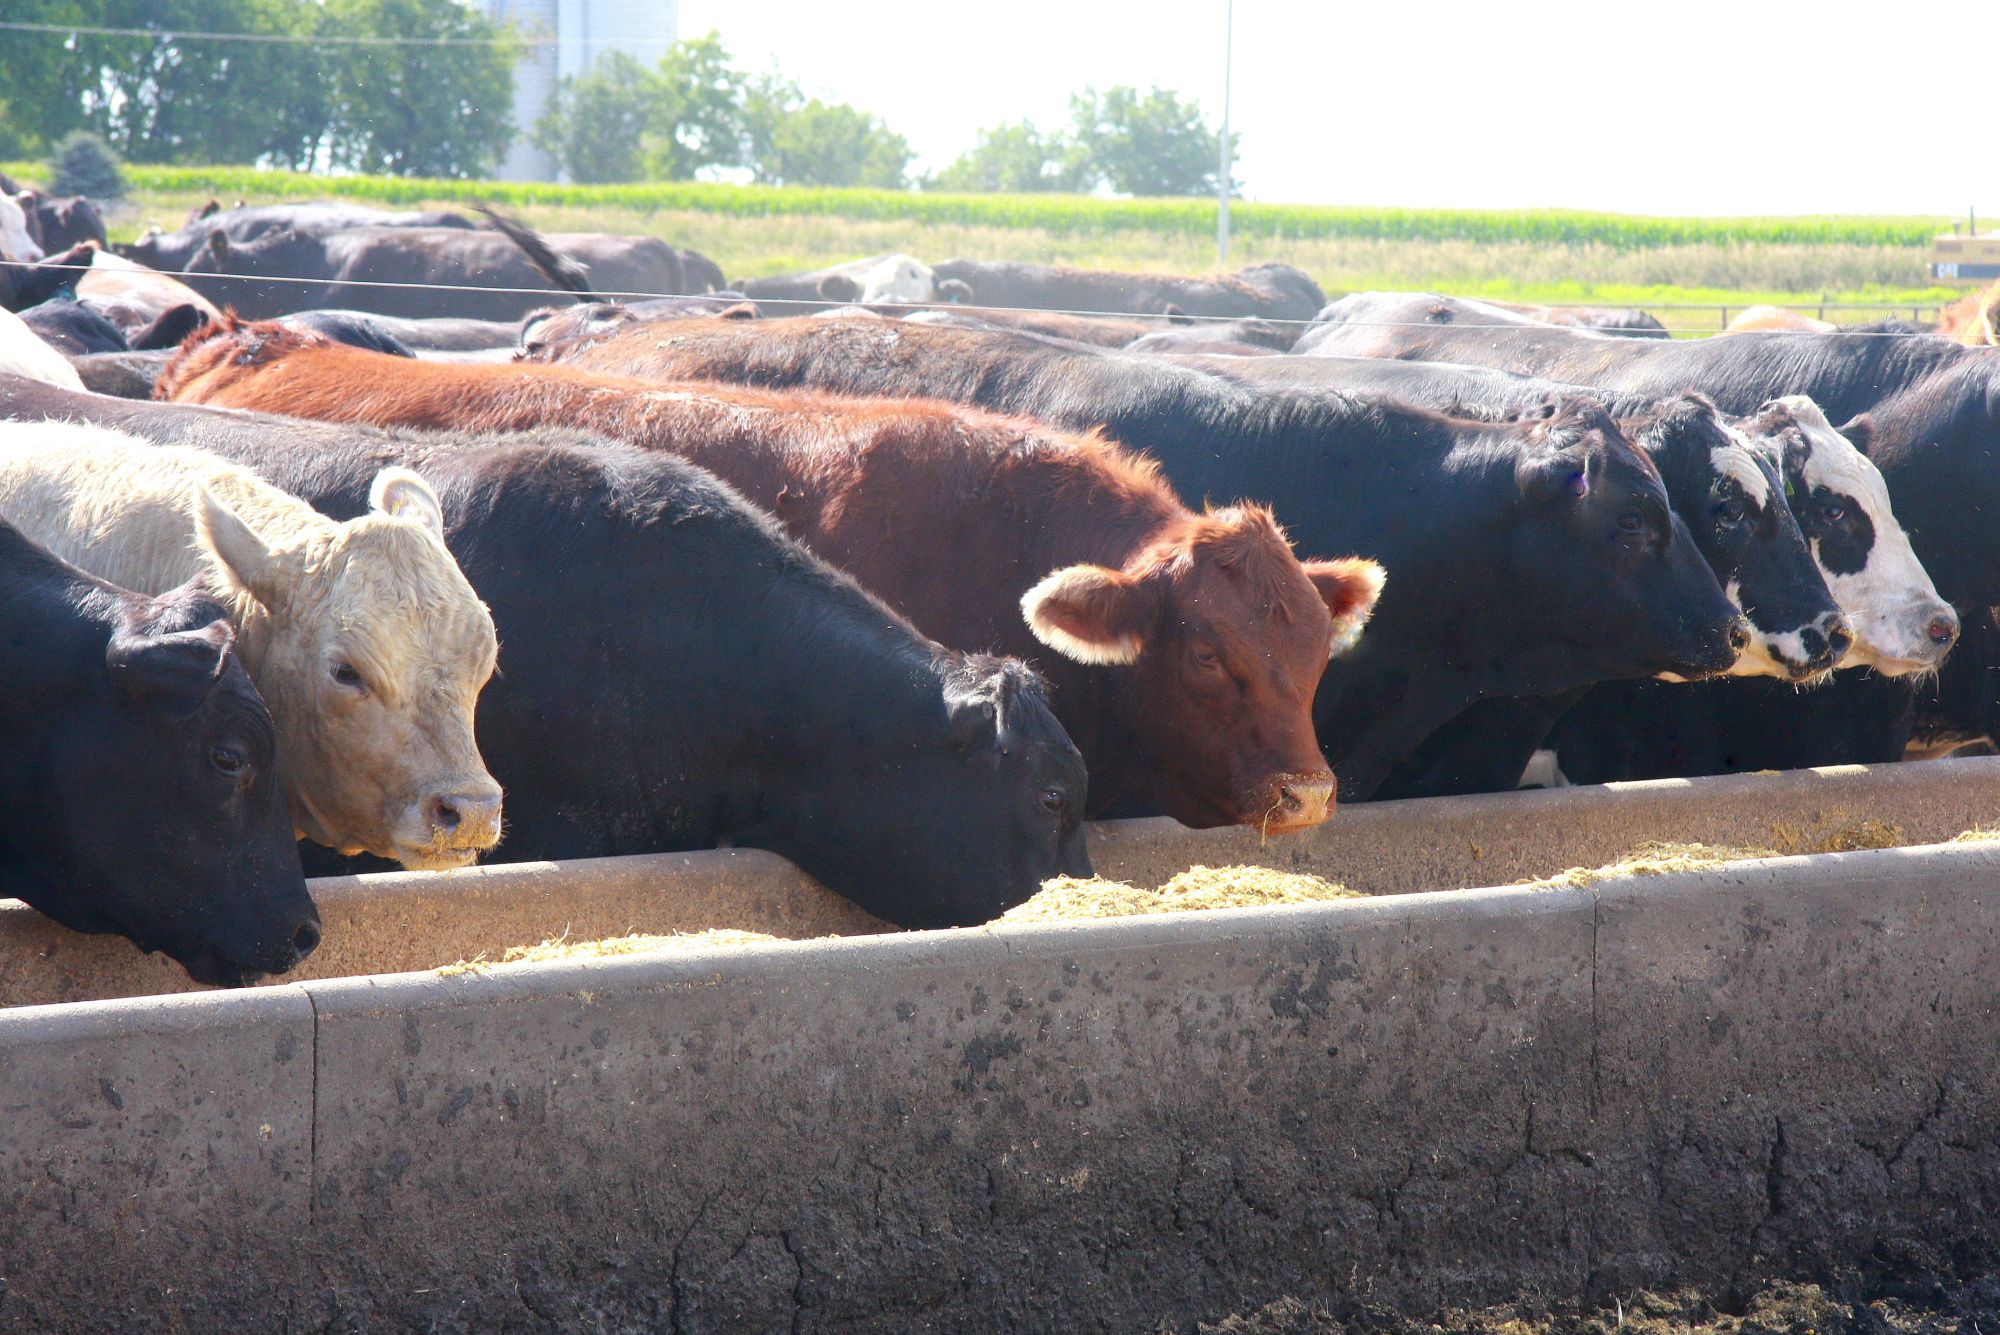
(1554, 476)
(975, 724)
(238, 555)
(953, 292)
(218, 245)
(1351, 587)
(1860, 432)
(176, 671)
(839, 287)
(742, 310)
(402, 494)
(1093, 614)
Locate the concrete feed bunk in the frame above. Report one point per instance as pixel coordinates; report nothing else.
(407, 921)
(1440, 1097)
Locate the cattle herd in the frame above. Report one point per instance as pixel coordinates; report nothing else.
(322, 523)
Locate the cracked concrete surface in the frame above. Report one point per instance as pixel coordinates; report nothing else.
(1423, 1101)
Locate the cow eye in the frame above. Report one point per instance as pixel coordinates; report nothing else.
(229, 761)
(1731, 511)
(1631, 521)
(1053, 800)
(1832, 511)
(345, 674)
(1205, 657)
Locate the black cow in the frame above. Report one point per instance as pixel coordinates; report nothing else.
(676, 673)
(74, 329)
(26, 286)
(1733, 502)
(1524, 558)
(1265, 291)
(57, 222)
(442, 333)
(139, 789)
(416, 272)
(171, 251)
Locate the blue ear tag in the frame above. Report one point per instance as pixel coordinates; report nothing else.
(1578, 485)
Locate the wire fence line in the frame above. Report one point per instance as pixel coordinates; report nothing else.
(268, 38)
(972, 310)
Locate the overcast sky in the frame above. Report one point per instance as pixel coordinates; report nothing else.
(1757, 106)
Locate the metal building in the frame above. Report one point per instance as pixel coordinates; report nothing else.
(580, 31)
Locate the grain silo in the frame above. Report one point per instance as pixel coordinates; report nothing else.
(577, 32)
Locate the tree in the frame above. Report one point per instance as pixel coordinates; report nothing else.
(84, 164)
(158, 98)
(419, 110)
(597, 120)
(618, 121)
(699, 117)
(1146, 144)
(1016, 158)
(796, 140)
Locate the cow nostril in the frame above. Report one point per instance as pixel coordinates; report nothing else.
(306, 939)
(1290, 800)
(1739, 636)
(443, 815)
(1841, 639)
(1943, 629)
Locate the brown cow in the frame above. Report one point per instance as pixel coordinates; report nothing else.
(1973, 320)
(1187, 646)
(1756, 319)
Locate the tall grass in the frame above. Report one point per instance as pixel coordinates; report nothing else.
(1071, 215)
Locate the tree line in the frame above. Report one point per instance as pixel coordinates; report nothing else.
(696, 112)
(317, 99)
(314, 100)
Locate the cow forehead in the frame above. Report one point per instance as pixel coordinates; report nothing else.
(1832, 461)
(1736, 460)
(1251, 588)
(392, 585)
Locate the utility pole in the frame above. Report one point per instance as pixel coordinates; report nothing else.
(1222, 184)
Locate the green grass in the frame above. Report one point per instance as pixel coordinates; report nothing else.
(1550, 256)
(1070, 214)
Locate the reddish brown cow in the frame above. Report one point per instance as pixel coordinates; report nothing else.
(1186, 646)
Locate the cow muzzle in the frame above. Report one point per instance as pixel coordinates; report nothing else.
(1288, 803)
(1908, 641)
(1802, 655)
(450, 826)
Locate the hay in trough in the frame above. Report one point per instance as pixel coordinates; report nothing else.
(1066, 898)
(638, 943)
(1852, 837)
(1652, 858)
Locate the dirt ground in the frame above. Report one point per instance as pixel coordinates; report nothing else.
(1887, 1301)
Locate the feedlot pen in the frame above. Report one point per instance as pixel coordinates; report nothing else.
(1425, 1098)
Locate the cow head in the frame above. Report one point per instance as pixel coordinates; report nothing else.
(1734, 506)
(1222, 635)
(15, 242)
(1602, 564)
(1000, 786)
(372, 649)
(898, 279)
(1900, 623)
(168, 822)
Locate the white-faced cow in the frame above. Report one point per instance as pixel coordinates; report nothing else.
(364, 637)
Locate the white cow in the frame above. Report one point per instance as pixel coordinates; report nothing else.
(23, 353)
(363, 637)
(1900, 624)
(15, 243)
